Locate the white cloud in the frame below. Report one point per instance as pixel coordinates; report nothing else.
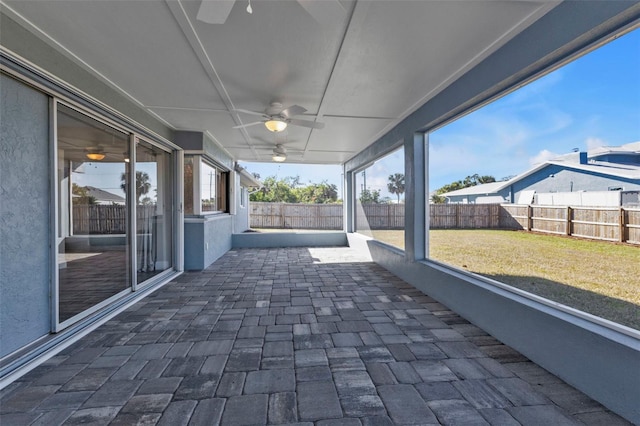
(542, 156)
(593, 143)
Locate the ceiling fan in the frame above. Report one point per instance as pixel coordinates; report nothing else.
(276, 119)
(323, 11)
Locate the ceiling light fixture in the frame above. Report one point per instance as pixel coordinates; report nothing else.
(249, 8)
(95, 154)
(275, 125)
(279, 154)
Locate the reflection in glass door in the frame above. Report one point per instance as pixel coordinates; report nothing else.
(154, 206)
(93, 247)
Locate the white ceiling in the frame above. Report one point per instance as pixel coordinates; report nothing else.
(360, 72)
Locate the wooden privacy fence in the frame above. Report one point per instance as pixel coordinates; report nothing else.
(106, 219)
(296, 216)
(611, 224)
(602, 223)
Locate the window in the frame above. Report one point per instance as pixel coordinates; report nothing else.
(379, 203)
(548, 138)
(207, 183)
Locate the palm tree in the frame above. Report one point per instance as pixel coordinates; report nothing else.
(396, 184)
(142, 184)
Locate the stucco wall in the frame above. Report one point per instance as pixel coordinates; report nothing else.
(24, 215)
(205, 240)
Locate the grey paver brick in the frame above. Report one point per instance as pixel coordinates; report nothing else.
(197, 387)
(151, 369)
(159, 385)
(312, 341)
(152, 351)
(518, 391)
(353, 326)
(181, 367)
(65, 400)
(246, 410)
(283, 408)
(231, 384)
(401, 352)
(339, 422)
(246, 359)
(480, 394)
(437, 391)
(433, 371)
(310, 358)
(113, 393)
(404, 372)
(88, 379)
(460, 350)
(346, 339)
(362, 405)
(138, 419)
(270, 381)
(177, 413)
(214, 364)
(456, 412)
(275, 349)
(208, 348)
(376, 421)
(48, 418)
(381, 374)
(424, 350)
(467, 369)
(93, 416)
(155, 403)
(317, 401)
(499, 417)
(311, 374)
(354, 382)
(179, 350)
(375, 354)
(207, 412)
(542, 415)
(405, 405)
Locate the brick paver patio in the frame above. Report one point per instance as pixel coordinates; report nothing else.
(292, 336)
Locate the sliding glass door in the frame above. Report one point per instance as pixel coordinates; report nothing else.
(93, 248)
(154, 211)
(104, 253)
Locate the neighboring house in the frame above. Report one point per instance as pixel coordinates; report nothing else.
(599, 170)
(104, 197)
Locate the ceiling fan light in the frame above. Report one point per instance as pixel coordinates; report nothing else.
(96, 155)
(279, 157)
(275, 125)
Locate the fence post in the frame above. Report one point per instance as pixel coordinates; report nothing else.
(623, 226)
(568, 225)
(529, 217)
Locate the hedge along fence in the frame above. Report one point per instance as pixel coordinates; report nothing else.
(611, 224)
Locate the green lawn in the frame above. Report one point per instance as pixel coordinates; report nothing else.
(593, 276)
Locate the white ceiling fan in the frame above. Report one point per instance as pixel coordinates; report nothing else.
(323, 11)
(276, 118)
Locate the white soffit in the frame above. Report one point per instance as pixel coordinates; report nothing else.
(359, 74)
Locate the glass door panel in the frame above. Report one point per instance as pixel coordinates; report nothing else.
(93, 246)
(154, 206)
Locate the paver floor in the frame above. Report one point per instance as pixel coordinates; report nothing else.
(292, 336)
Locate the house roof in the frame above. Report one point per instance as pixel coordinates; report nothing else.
(104, 196)
(629, 148)
(625, 171)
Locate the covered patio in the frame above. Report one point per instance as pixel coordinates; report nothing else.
(293, 336)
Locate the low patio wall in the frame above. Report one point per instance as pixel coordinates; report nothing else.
(289, 239)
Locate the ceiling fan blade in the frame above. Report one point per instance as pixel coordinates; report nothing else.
(293, 110)
(215, 11)
(324, 12)
(242, 126)
(246, 111)
(306, 123)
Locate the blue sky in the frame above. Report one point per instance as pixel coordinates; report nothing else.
(590, 102)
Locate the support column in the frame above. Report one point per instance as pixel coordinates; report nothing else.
(416, 213)
(348, 200)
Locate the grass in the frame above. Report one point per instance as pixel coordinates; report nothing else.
(597, 277)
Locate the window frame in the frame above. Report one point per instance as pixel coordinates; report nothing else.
(221, 184)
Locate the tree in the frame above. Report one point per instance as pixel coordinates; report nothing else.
(142, 184)
(396, 184)
(277, 191)
(370, 196)
(471, 180)
(318, 193)
(82, 196)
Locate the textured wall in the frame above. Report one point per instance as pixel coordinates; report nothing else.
(205, 240)
(24, 215)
